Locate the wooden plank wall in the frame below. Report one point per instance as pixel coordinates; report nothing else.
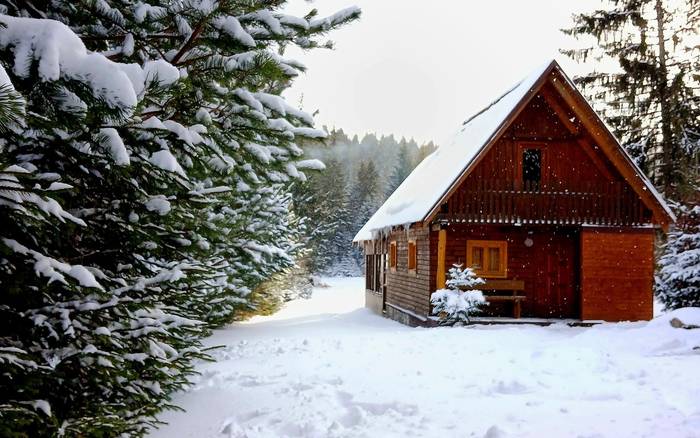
(549, 267)
(411, 290)
(579, 185)
(566, 163)
(617, 271)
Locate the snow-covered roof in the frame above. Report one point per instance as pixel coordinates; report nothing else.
(420, 192)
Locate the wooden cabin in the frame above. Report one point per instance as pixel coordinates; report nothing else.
(539, 198)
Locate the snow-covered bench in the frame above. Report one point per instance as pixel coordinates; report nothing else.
(499, 287)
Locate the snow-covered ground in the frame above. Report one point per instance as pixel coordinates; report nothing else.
(326, 367)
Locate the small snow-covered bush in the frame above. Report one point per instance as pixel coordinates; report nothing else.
(454, 305)
(462, 278)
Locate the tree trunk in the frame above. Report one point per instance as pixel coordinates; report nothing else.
(668, 177)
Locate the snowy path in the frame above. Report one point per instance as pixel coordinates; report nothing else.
(326, 367)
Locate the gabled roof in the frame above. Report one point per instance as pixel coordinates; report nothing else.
(418, 198)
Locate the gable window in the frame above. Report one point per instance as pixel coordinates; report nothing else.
(532, 168)
(488, 258)
(412, 256)
(392, 255)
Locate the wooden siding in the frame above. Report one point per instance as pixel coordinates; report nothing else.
(410, 290)
(578, 184)
(549, 267)
(617, 268)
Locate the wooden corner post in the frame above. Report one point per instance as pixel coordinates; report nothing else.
(442, 246)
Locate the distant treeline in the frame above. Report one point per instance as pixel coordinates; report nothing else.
(360, 175)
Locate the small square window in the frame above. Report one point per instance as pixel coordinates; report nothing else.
(488, 258)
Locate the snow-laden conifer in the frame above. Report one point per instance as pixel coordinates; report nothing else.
(460, 299)
(144, 197)
(678, 277)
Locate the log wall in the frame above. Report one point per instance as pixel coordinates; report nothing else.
(410, 290)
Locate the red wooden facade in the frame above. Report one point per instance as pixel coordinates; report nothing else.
(577, 224)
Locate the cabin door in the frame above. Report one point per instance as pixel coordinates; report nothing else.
(561, 283)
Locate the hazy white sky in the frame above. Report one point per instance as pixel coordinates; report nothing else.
(419, 68)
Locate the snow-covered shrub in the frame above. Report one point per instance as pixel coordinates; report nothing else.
(462, 278)
(459, 300)
(678, 277)
(143, 197)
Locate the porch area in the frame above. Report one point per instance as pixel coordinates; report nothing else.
(530, 271)
(539, 273)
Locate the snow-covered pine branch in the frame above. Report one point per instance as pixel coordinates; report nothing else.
(144, 197)
(678, 277)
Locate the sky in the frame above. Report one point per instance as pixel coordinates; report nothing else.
(419, 69)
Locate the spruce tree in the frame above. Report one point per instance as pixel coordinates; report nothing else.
(11, 103)
(403, 167)
(424, 150)
(144, 197)
(322, 201)
(678, 277)
(364, 201)
(652, 99)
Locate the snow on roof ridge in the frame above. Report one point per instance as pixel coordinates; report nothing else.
(494, 102)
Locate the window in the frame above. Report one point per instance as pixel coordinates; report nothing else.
(369, 272)
(392, 255)
(412, 258)
(532, 168)
(488, 258)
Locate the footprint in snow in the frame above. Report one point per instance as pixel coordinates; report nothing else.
(495, 432)
(511, 387)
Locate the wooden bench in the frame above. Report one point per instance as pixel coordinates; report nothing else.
(501, 286)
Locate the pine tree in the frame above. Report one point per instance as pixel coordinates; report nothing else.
(364, 201)
(145, 191)
(322, 201)
(424, 150)
(11, 103)
(678, 277)
(653, 102)
(402, 169)
(460, 299)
